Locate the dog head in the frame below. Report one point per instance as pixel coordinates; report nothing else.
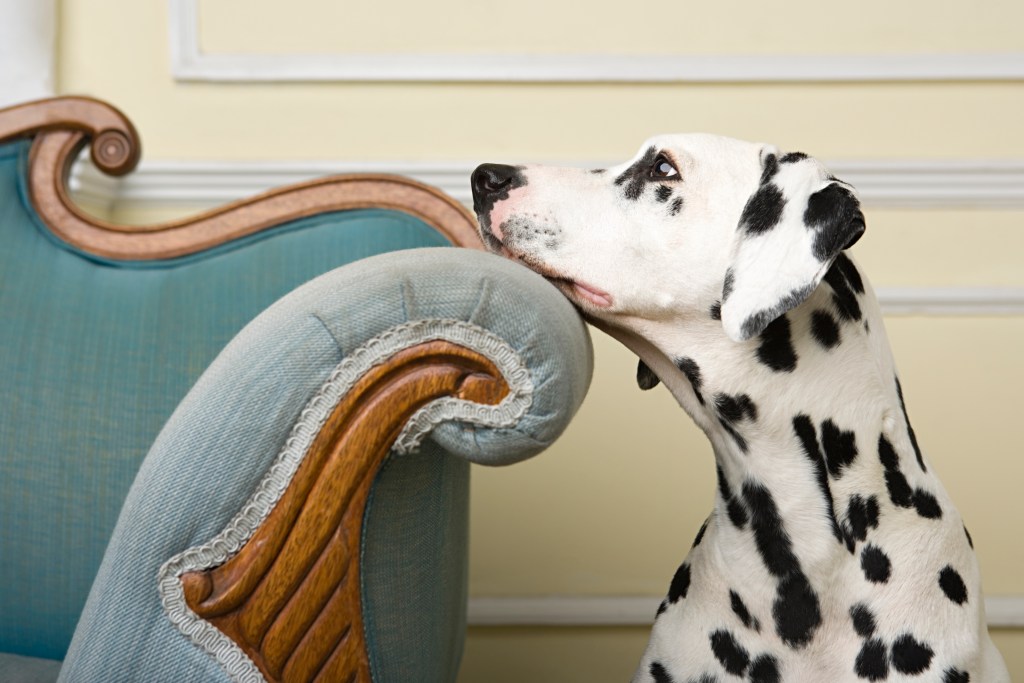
(692, 226)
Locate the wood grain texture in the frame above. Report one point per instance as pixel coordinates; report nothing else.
(290, 597)
(61, 127)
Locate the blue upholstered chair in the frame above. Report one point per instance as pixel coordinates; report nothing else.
(211, 471)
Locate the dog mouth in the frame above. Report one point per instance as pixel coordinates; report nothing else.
(576, 291)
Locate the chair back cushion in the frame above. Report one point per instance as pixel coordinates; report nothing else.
(94, 357)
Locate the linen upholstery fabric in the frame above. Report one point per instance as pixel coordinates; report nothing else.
(218, 444)
(19, 669)
(94, 356)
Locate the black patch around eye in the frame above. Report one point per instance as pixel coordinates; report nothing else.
(776, 348)
(763, 210)
(876, 564)
(872, 661)
(793, 157)
(765, 669)
(635, 189)
(729, 653)
(692, 372)
(663, 193)
(659, 674)
(952, 584)
(863, 620)
(636, 175)
(677, 206)
(645, 377)
(825, 329)
(952, 675)
(910, 656)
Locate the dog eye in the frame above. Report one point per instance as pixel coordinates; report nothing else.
(663, 168)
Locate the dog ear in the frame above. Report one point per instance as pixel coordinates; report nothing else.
(791, 230)
(645, 377)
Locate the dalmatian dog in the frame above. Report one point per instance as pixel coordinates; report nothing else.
(833, 552)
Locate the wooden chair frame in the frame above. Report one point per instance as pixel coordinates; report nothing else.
(299, 620)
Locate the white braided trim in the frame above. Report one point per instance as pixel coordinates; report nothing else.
(240, 529)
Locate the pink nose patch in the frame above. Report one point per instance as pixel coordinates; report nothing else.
(504, 210)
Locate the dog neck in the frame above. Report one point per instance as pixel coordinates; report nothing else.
(807, 418)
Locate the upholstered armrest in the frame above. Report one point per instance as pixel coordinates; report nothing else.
(246, 548)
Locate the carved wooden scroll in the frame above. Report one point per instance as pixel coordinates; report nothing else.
(290, 597)
(62, 126)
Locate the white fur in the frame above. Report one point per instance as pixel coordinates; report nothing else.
(662, 274)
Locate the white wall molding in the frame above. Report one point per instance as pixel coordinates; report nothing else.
(881, 183)
(1003, 611)
(189, 63)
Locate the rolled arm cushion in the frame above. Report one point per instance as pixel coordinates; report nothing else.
(517, 361)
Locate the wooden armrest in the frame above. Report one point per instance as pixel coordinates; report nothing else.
(62, 126)
(290, 598)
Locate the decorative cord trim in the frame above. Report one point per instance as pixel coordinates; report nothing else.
(239, 667)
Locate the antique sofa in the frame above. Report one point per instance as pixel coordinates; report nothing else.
(237, 447)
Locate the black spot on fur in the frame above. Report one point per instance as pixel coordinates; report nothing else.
(716, 310)
(680, 584)
(952, 584)
(662, 608)
(808, 437)
(850, 273)
(926, 504)
(835, 216)
(844, 296)
(793, 157)
(825, 329)
(741, 443)
(659, 674)
(909, 656)
(645, 377)
(729, 653)
(861, 515)
(970, 541)
(676, 207)
(796, 611)
(899, 490)
(875, 564)
(735, 408)
(771, 167)
(737, 514)
(910, 429)
(741, 611)
(863, 620)
(952, 675)
(692, 372)
(663, 193)
(770, 536)
(730, 281)
(763, 210)
(765, 669)
(598, 171)
(700, 534)
(872, 661)
(776, 348)
(840, 447)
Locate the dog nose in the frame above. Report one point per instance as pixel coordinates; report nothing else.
(490, 179)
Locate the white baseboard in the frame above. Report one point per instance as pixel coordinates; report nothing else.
(1003, 611)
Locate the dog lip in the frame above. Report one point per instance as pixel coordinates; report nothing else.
(599, 298)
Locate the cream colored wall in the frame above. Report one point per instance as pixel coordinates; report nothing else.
(612, 508)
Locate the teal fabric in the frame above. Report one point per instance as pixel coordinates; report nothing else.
(18, 669)
(219, 442)
(94, 356)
